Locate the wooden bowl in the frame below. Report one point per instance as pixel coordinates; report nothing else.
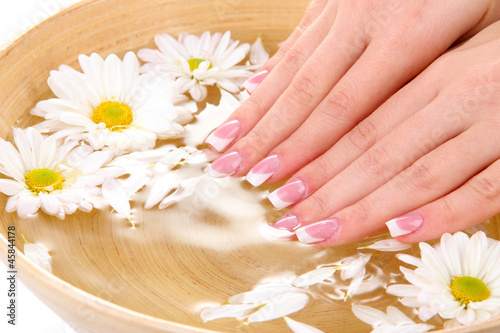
(109, 277)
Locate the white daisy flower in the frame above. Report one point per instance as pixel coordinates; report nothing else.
(197, 62)
(394, 321)
(459, 279)
(48, 174)
(112, 106)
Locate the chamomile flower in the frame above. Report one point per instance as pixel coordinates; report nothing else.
(459, 279)
(48, 174)
(197, 62)
(112, 106)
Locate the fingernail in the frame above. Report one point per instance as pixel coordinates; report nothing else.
(224, 166)
(263, 170)
(405, 224)
(251, 84)
(288, 222)
(287, 194)
(317, 232)
(224, 135)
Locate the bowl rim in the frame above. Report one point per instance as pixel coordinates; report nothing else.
(63, 291)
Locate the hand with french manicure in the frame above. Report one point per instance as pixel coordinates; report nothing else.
(382, 114)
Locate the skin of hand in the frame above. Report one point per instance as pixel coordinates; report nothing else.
(430, 160)
(322, 112)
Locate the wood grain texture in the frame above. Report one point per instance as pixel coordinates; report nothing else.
(107, 276)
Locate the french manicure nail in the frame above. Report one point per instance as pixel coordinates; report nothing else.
(263, 170)
(224, 135)
(317, 232)
(288, 222)
(224, 166)
(405, 224)
(287, 194)
(251, 84)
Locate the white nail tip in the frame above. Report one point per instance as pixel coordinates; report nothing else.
(250, 87)
(305, 238)
(218, 143)
(211, 172)
(257, 179)
(277, 202)
(395, 230)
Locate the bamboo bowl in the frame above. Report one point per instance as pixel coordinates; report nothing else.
(107, 276)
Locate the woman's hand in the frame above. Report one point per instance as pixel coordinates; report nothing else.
(428, 158)
(342, 62)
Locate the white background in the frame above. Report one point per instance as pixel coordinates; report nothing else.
(17, 17)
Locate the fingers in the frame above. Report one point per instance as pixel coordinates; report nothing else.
(273, 83)
(431, 177)
(312, 84)
(353, 98)
(314, 80)
(406, 102)
(361, 138)
(390, 155)
(472, 203)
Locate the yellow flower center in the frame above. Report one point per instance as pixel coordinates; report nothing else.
(469, 289)
(195, 63)
(114, 114)
(43, 180)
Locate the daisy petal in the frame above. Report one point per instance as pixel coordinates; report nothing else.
(11, 187)
(280, 306)
(388, 245)
(261, 294)
(226, 311)
(298, 327)
(50, 203)
(161, 187)
(39, 256)
(369, 315)
(27, 204)
(117, 197)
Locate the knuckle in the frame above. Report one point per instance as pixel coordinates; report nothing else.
(373, 162)
(485, 188)
(255, 105)
(357, 213)
(302, 91)
(320, 205)
(257, 139)
(338, 107)
(295, 57)
(323, 166)
(364, 135)
(421, 177)
(448, 216)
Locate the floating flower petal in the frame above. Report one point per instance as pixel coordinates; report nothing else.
(298, 327)
(388, 245)
(227, 311)
(394, 321)
(38, 255)
(280, 306)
